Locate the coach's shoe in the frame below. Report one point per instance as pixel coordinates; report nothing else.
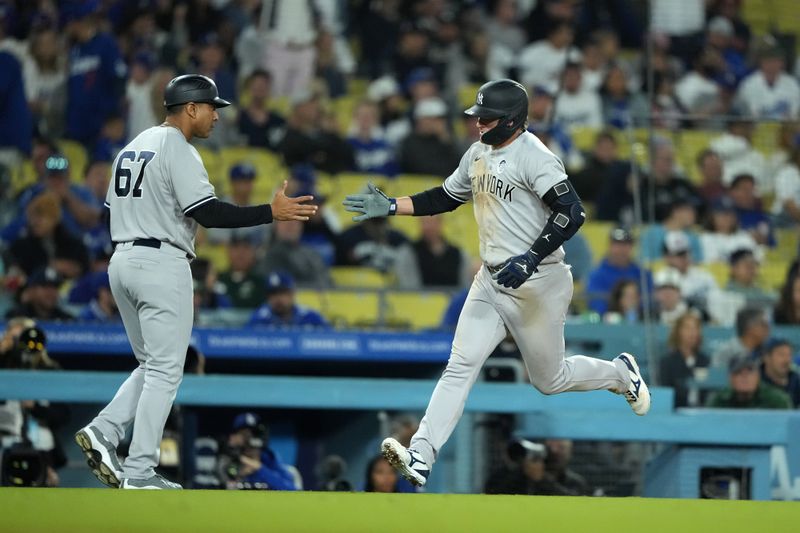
(638, 395)
(155, 482)
(101, 455)
(407, 461)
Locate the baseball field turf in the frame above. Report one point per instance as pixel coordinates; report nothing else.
(90, 510)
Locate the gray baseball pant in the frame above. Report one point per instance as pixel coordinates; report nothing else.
(534, 314)
(153, 290)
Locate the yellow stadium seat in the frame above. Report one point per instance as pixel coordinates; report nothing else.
(408, 226)
(24, 176)
(269, 168)
(584, 137)
(357, 87)
(788, 240)
(765, 136)
(461, 229)
(217, 254)
(596, 235)
(350, 183)
(343, 109)
(691, 143)
(282, 106)
(211, 161)
(417, 310)
(78, 159)
(466, 94)
(362, 277)
(773, 274)
(353, 308)
(313, 299)
(720, 270)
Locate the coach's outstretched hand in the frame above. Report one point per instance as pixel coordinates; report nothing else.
(517, 270)
(285, 208)
(372, 204)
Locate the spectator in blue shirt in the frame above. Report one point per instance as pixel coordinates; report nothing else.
(96, 76)
(617, 265)
(752, 217)
(97, 238)
(249, 462)
(80, 209)
(280, 308)
(102, 308)
(16, 122)
(450, 318)
(373, 153)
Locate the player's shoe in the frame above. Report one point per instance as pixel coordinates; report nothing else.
(101, 455)
(155, 482)
(638, 395)
(407, 461)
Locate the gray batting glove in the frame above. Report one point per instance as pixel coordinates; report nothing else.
(372, 204)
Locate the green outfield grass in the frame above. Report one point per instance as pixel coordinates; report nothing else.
(98, 510)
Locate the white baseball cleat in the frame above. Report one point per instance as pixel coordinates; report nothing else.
(101, 455)
(407, 461)
(638, 395)
(155, 482)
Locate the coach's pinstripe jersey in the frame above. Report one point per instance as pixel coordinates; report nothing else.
(156, 180)
(507, 186)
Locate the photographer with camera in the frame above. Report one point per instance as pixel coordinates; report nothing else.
(248, 462)
(524, 472)
(31, 449)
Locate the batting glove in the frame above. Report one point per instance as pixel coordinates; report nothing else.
(373, 204)
(517, 270)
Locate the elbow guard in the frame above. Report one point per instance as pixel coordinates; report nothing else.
(568, 213)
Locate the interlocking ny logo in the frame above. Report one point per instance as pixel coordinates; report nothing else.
(480, 98)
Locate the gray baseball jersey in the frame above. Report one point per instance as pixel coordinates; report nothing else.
(507, 186)
(157, 178)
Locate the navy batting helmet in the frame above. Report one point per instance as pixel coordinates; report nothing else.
(505, 100)
(193, 88)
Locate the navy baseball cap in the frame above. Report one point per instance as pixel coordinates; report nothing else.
(303, 172)
(44, 277)
(723, 204)
(78, 9)
(243, 171)
(775, 343)
(419, 74)
(279, 281)
(246, 420)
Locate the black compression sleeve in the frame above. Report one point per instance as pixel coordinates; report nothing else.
(433, 201)
(217, 214)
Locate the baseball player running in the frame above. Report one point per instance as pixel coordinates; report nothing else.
(158, 195)
(525, 208)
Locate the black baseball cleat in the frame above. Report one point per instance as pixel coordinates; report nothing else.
(101, 456)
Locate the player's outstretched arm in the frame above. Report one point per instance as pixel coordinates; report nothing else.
(374, 203)
(217, 214)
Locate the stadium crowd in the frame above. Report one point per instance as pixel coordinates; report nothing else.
(699, 230)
